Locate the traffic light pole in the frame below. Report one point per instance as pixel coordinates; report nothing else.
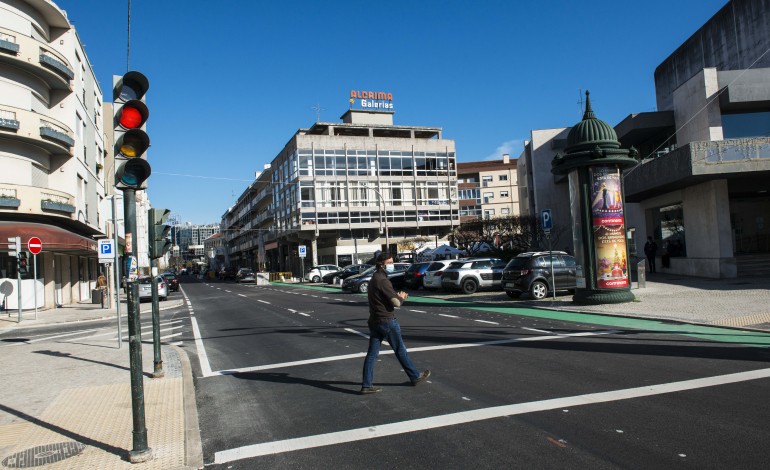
(140, 451)
(157, 361)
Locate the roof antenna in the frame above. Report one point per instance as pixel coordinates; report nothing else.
(580, 102)
(317, 108)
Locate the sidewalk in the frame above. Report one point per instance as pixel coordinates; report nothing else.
(67, 402)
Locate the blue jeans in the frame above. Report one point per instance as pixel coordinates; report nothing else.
(390, 331)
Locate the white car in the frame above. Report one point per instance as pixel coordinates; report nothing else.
(432, 278)
(315, 274)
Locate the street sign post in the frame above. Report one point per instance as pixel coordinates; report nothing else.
(302, 250)
(106, 251)
(547, 222)
(34, 245)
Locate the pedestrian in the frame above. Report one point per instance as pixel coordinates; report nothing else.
(101, 284)
(383, 325)
(650, 250)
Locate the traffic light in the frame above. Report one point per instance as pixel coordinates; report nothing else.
(131, 140)
(23, 262)
(158, 232)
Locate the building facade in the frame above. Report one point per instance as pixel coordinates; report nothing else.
(488, 189)
(345, 190)
(52, 151)
(701, 188)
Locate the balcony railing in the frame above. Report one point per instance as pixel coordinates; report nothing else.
(9, 46)
(57, 65)
(49, 129)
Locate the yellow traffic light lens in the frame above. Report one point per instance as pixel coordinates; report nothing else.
(128, 150)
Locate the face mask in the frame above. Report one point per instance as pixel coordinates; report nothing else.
(389, 268)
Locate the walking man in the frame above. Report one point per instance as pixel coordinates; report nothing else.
(383, 325)
(650, 250)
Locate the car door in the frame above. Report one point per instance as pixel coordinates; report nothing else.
(567, 273)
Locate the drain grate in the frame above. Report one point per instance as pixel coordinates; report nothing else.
(43, 455)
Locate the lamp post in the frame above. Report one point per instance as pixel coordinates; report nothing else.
(384, 210)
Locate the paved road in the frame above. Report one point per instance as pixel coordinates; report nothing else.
(278, 369)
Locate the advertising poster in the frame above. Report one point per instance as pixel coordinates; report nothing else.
(608, 228)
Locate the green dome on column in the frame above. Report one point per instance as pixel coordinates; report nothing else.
(591, 142)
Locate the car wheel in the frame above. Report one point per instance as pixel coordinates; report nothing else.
(316, 279)
(513, 295)
(469, 286)
(363, 287)
(538, 290)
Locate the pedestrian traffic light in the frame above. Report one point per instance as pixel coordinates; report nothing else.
(131, 139)
(158, 232)
(23, 262)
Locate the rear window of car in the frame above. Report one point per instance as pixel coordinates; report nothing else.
(436, 266)
(145, 280)
(456, 265)
(518, 262)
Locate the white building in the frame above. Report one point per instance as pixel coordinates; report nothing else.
(52, 152)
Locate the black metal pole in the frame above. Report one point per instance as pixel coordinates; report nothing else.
(140, 451)
(157, 361)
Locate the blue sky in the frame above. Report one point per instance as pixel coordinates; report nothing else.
(232, 81)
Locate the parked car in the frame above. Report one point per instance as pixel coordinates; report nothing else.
(316, 273)
(227, 273)
(145, 288)
(531, 272)
(470, 275)
(244, 275)
(413, 277)
(172, 280)
(348, 271)
(360, 282)
(432, 278)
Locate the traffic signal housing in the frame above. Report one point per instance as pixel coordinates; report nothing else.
(158, 232)
(23, 262)
(131, 139)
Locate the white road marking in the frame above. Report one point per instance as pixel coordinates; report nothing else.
(355, 332)
(282, 365)
(170, 336)
(418, 311)
(448, 316)
(264, 302)
(463, 417)
(46, 338)
(229, 292)
(242, 295)
(536, 330)
(485, 321)
(202, 357)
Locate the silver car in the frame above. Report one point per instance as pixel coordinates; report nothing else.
(145, 288)
(316, 273)
(432, 278)
(470, 275)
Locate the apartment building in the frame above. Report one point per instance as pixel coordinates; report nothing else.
(52, 151)
(488, 189)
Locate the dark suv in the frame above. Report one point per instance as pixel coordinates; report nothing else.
(531, 272)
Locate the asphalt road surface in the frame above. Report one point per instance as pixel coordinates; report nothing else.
(278, 369)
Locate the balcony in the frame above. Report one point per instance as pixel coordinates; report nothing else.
(35, 200)
(32, 128)
(37, 58)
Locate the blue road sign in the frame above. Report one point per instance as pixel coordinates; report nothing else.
(302, 251)
(546, 220)
(106, 250)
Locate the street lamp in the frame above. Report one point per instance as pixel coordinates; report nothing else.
(384, 210)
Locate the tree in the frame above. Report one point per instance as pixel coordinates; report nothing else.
(504, 236)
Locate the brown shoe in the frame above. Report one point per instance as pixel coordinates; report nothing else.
(425, 374)
(368, 390)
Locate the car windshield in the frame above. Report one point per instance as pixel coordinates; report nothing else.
(145, 280)
(370, 270)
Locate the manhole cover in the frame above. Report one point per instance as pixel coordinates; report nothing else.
(43, 455)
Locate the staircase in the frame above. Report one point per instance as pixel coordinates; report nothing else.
(755, 264)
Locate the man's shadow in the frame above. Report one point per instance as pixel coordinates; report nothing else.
(284, 378)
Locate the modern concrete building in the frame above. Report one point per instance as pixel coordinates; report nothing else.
(189, 239)
(701, 186)
(345, 190)
(488, 189)
(52, 152)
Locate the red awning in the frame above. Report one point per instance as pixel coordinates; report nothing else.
(55, 239)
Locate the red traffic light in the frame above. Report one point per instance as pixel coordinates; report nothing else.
(133, 115)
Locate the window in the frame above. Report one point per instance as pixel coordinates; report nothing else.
(488, 196)
(502, 178)
(505, 211)
(503, 193)
(735, 126)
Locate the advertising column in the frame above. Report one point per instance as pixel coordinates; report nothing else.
(609, 231)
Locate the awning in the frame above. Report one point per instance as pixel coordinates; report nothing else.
(55, 239)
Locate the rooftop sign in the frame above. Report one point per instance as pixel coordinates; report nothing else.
(371, 100)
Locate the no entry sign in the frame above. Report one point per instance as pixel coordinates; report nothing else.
(34, 245)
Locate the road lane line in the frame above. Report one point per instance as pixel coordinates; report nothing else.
(282, 365)
(485, 321)
(536, 330)
(418, 311)
(464, 417)
(448, 316)
(170, 336)
(264, 302)
(202, 357)
(242, 295)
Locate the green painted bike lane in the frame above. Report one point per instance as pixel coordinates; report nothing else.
(705, 332)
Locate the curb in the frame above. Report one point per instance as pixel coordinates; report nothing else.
(192, 436)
